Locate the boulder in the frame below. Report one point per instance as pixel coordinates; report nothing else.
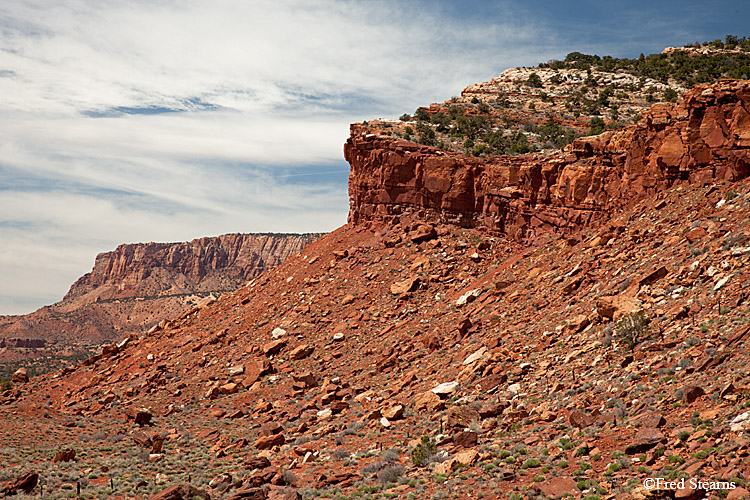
(139, 416)
(428, 401)
(393, 412)
(445, 388)
(645, 439)
(142, 439)
(180, 492)
(270, 428)
(557, 487)
(20, 376)
(466, 458)
(407, 285)
(467, 297)
(579, 419)
(738, 493)
(692, 392)
(307, 379)
(423, 232)
(301, 351)
(223, 478)
(254, 370)
(273, 347)
(25, 482)
(268, 442)
(460, 417)
(466, 439)
(257, 463)
(740, 423)
(283, 493)
(252, 493)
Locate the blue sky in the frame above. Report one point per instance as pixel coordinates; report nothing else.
(165, 121)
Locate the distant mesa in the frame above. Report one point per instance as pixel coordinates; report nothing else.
(137, 285)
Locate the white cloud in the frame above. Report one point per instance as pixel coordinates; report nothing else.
(244, 54)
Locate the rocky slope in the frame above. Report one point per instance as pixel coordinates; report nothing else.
(426, 350)
(133, 287)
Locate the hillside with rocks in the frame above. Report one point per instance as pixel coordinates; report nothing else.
(530, 326)
(132, 288)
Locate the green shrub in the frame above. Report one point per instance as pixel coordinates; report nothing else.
(670, 95)
(534, 81)
(421, 114)
(596, 126)
(426, 448)
(632, 329)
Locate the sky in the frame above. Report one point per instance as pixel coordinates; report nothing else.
(165, 120)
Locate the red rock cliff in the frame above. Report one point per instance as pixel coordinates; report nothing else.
(137, 285)
(703, 138)
(204, 264)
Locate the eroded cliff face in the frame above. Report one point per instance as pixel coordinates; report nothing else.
(703, 138)
(202, 265)
(137, 285)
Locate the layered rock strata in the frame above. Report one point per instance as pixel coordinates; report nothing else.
(705, 136)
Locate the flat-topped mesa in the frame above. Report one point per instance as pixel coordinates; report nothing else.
(702, 139)
(204, 264)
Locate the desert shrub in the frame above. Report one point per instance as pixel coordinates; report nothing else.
(632, 329)
(555, 134)
(426, 135)
(303, 439)
(442, 121)
(289, 477)
(531, 462)
(670, 95)
(408, 132)
(390, 473)
(423, 451)
(389, 455)
(352, 429)
(734, 239)
(596, 126)
(534, 81)
(421, 114)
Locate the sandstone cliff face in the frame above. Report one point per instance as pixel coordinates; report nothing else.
(202, 265)
(137, 285)
(704, 137)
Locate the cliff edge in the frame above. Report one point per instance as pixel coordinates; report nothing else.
(702, 138)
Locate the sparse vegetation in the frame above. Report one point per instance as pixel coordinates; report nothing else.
(422, 452)
(632, 329)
